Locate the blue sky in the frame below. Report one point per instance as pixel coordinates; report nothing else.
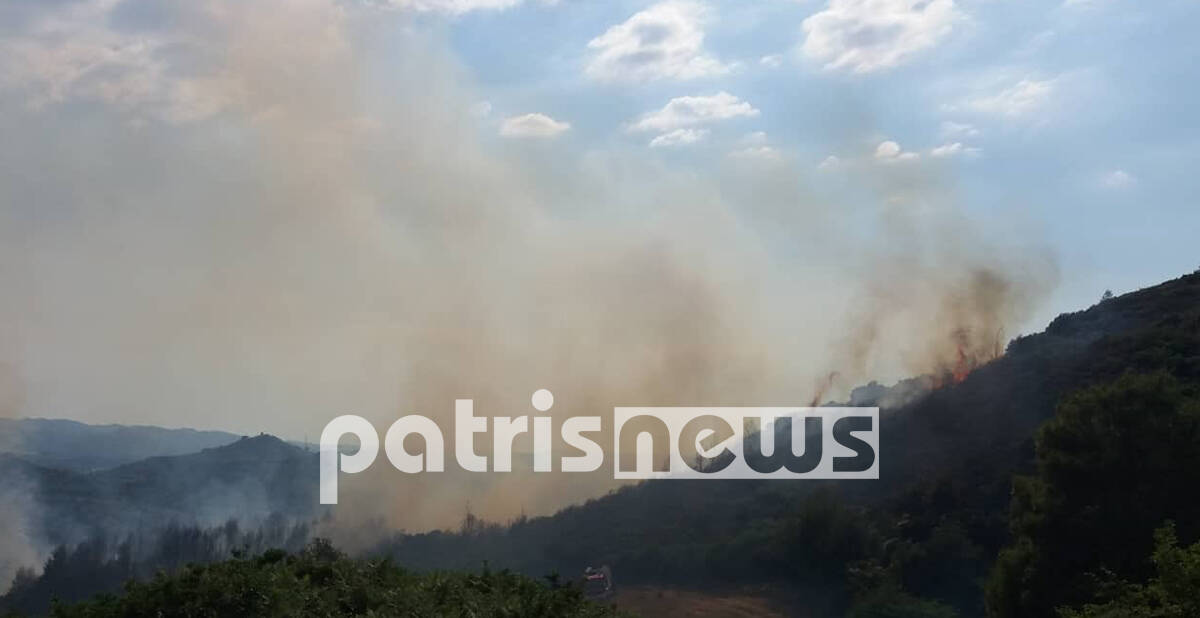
(1076, 117)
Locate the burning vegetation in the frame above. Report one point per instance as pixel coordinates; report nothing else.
(938, 331)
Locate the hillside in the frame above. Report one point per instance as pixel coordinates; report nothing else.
(71, 445)
(248, 479)
(947, 462)
(993, 413)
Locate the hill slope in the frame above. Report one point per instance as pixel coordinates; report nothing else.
(70, 445)
(947, 460)
(248, 479)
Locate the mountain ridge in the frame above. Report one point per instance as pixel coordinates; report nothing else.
(250, 479)
(83, 447)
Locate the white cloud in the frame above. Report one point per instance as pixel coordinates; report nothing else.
(1118, 179)
(533, 125)
(829, 163)
(665, 41)
(757, 153)
(756, 138)
(869, 35)
(1017, 100)
(453, 7)
(950, 130)
(887, 150)
(679, 137)
(691, 111)
(755, 146)
(954, 149)
(891, 151)
(771, 60)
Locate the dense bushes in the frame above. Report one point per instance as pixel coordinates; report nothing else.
(1174, 592)
(103, 564)
(1114, 464)
(319, 581)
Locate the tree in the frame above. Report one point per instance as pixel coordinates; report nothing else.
(320, 581)
(1173, 593)
(1115, 462)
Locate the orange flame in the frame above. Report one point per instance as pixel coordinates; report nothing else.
(962, 367)
(967, 360)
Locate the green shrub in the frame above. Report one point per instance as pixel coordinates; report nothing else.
(320, 581)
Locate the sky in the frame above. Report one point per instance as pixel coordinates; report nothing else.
(254, 216)
(1076, 116)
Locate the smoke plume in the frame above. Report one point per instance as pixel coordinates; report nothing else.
(266, 214)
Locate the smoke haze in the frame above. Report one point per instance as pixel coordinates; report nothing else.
(222, 227)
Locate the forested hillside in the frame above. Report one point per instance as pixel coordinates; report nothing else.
(250, 479)
(1056, 480)
(933, 525)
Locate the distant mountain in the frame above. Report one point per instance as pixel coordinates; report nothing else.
(70, 445)
(252, 477)
(250, 480)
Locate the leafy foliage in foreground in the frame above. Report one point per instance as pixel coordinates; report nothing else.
(320, 581)
(1116, 462)
(103, 563)
(1173, 593)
